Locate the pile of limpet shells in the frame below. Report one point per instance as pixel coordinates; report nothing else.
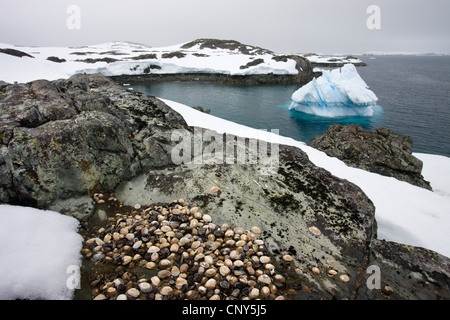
(191, 257)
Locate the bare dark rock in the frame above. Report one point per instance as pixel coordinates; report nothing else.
(56, 59)
(384, 151)
(15, 53)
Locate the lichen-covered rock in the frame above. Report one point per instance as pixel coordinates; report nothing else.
(384, 152)
(66, 138)
(406, 273)
(284, 204)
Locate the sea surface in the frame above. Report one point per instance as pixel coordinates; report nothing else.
(413, 93)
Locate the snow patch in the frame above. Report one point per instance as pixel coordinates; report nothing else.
(37, 249)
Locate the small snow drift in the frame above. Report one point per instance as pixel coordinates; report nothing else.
(337, 93)
(39, 253)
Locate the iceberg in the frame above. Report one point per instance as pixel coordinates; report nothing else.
(339, 92)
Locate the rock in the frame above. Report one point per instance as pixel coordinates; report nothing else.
(56, 59)
(65, 138)
(384, 152)
(81, 208)
(411, 273)
(289, 200)
(15, 53)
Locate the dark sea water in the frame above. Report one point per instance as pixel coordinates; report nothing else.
(413, 92)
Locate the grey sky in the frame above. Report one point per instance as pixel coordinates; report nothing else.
(324, 26)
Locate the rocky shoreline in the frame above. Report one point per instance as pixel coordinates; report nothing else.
(217, 78)
(65, 142)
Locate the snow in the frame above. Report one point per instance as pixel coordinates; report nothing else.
(405, 213)
(221, 61)
(37, 250)
(338, 92)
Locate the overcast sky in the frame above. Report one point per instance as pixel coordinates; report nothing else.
(321, 26)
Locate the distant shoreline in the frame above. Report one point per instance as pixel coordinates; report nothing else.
(218, 78)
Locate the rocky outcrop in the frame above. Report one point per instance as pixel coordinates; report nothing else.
(287, 205)
(232, 45)
(15, 53)
(407, 273)
(384, 151)
(66, 138)
(64, 141)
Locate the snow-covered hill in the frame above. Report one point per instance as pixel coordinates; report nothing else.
(124, 58)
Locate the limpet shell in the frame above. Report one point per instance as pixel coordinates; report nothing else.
(315, 230)
(165, 263)
(254, 294)
(207, 218)
(256, 230)
(155, 281)
(344, 278)
(133, 293)
(224, 270)
(166, 290)
(211, 272)
(126, 260)
(214, 189)
(211, 284)
(145, 287)
(264, 278)
(332, 273)
(153, 249)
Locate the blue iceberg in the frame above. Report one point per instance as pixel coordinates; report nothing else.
(337, 93)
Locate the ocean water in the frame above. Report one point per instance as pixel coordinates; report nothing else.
(413, 92)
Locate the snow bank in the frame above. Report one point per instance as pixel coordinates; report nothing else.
(405, 213)
(338, 92)
(37, 248)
